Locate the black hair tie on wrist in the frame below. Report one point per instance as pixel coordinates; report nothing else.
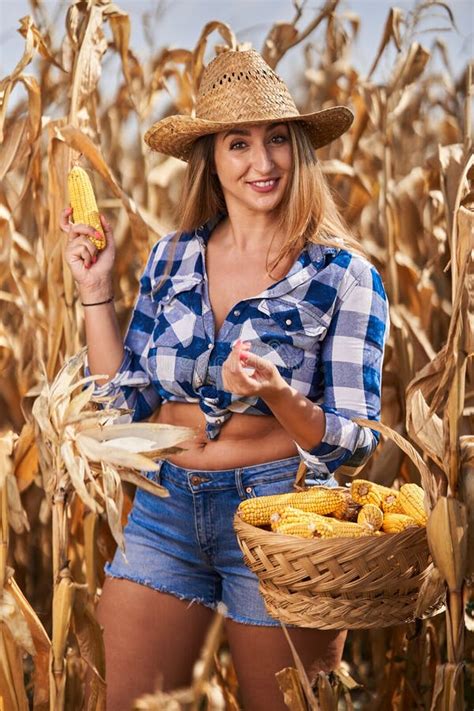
(99, 303)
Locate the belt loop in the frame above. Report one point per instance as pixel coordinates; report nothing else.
(239, 483)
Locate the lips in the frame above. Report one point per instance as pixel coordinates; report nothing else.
(264, 186)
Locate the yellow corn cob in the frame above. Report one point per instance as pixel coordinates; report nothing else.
(367, 492)
(395, 522)
(411, 500)
(296, 522)
(391, 503)
(370, 516)
(348, 509)
(295, 528)
(319, 499)
(84, 205)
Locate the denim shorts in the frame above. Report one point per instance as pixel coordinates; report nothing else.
(185, 544)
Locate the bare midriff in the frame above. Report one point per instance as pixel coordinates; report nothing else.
(242, 441)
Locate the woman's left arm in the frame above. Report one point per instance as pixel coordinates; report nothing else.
(351, 358)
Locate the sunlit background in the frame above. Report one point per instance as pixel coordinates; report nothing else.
(177, 23)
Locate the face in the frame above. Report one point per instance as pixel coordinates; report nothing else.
(253, 165)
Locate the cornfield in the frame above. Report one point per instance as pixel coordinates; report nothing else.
(402, 177)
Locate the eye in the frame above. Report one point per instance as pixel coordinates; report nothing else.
(235, 144)
(279, 138)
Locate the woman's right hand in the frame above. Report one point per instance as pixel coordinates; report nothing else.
(91, 268)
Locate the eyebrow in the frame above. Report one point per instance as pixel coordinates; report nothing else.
(246, 132)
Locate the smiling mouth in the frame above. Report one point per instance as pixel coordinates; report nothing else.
(264, 186)
(263, 183)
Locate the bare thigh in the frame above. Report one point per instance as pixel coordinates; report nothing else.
(147, 635)
(260, 652)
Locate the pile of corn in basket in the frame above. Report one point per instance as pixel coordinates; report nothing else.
(336, 558)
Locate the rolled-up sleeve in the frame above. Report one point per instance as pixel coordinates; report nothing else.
(352, 358)
(131, 387)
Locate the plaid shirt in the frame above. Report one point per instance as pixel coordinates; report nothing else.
(324, 326)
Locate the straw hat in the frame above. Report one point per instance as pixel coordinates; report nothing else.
(237, 88)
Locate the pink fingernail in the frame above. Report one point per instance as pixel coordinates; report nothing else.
(86, 266)
(94, 259)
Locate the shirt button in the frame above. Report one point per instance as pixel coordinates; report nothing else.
(236, 312)
(288, 321)
(210, 345)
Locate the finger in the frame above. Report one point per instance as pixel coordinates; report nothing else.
(86, 257)
(76, 241)
(87, 231)
(85, 251)
(251, 360)
(240, 374)
(238, 347)
(107, 227)
(84, 238)
(105, 224)
(234, 363)
(64, 219)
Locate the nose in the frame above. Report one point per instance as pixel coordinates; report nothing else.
(261, 158)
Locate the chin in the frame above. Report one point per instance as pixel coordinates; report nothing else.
(268, 207)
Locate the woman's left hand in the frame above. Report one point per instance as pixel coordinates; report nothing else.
(263, 378)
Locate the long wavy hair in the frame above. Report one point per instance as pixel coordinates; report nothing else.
(306, 213)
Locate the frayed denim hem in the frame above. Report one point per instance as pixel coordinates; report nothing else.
(255, 623)
(163, 589)
(217, 607)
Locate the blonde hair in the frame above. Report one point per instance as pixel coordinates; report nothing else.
(307, 212)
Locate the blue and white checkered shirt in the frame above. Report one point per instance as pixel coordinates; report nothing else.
(324, 325)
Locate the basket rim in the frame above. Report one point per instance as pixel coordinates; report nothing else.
(248, 529)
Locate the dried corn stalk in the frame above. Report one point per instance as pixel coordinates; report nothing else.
(406, 198)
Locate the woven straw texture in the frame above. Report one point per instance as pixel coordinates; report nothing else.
(238, 89)
(339, 583)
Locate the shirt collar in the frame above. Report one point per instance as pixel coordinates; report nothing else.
(311, 260)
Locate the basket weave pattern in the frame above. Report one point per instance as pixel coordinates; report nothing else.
(339, 583)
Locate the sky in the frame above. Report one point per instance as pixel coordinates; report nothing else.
(181, 21)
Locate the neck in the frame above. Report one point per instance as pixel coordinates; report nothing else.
(250, 233)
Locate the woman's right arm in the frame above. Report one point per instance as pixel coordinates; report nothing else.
(92, 272)
(124, 361)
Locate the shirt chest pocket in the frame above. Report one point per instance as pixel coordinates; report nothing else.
(292, 329)
(179, 306)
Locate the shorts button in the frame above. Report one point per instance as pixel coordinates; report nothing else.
(248, 489)
(196, 480)
(236, 312)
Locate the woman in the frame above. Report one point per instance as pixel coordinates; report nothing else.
(269, 367)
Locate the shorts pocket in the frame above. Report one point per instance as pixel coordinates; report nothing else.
(280, 485)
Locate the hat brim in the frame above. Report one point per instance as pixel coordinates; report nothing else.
(175, 135)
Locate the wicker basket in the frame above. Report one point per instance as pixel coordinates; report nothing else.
(339, 583)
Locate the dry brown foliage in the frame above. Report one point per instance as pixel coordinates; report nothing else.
(403, 178)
